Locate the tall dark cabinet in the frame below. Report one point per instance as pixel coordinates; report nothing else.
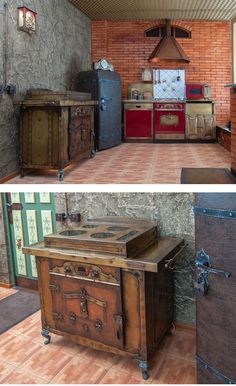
(215, 219)
(105, 87)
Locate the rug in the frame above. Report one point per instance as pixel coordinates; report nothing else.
(207, 176)
(16, 307)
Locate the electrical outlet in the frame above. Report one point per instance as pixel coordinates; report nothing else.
(10, 89)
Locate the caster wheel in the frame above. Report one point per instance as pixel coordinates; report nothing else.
(48, 340)
(92, 154)
(61, 175)
(145, 375)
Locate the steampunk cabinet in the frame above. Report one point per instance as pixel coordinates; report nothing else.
(55, 128)
(200, 121)
(215, 218)
(116, 296)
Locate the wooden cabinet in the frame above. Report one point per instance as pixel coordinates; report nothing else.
(224, 137)
(200, 121)
(138, 121)
(55, 128)
(108, 301)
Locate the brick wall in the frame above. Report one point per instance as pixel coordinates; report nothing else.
(210, 51)
(233, 134)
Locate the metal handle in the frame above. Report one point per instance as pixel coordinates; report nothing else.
(168, 263)
(203, 264)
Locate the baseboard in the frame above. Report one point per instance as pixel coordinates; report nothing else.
(185, 326)
(6, 285)
(9, 177)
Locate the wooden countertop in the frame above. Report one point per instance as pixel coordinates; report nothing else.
(165, 248)
(62, 103)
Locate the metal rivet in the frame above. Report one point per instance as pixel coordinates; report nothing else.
(204, 210)
(230, 214)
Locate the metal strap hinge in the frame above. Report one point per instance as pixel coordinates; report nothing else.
(220, 213)
(214, 371)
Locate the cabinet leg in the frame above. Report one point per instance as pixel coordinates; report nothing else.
(22, 173)
(46, 334)
(61, 175)
(93, 153)
(144, 367)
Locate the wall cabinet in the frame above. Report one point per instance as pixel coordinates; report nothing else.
(200, 121)
(107, 301)
(55, 129)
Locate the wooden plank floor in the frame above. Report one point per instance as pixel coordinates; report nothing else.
(133, 163)
(24, 359)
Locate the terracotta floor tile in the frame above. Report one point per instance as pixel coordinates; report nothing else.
(137, 163)
(5, 370)
(175, 371)
(46, 362)
(80, 371)
(21, 377)
(115, 376)
(17, 349)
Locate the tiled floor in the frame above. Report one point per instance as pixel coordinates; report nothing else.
(5, 292)
(135, 163)
(25, 359)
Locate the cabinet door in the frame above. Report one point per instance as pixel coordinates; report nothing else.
(191, 127)
(138, 124)
(87, 307)
(209, 128)
(80, 131)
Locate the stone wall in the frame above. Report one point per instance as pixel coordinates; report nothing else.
(51, 58)
(174, 214)
(4, 262)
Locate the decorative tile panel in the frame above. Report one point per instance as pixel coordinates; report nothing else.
(45, 198)
(18, 242)
(47, 222)
(15, 198)
(33, 266)
(32, 226)
(30, 198)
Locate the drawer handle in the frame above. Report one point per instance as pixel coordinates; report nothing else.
(67, 269)
(57, 316)
(98, 325)
(73, 317)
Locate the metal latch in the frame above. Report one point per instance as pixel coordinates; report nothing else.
(204, 268)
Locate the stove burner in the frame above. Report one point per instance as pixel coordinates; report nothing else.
(102, 235)
(117, 228)
(72, 233)
(89, 226)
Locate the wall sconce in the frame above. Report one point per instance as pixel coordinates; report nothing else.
(26, 20)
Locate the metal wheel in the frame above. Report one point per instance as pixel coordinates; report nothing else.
(61, 175)
(145, 375)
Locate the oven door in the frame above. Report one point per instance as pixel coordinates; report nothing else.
(169, 123)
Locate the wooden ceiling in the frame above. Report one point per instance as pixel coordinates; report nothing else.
(157, 9)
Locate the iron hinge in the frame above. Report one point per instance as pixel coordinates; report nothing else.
(219, 213)
(214, 371)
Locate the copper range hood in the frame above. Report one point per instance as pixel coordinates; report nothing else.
(168, 49)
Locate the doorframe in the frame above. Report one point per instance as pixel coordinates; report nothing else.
(8, 240)
(31, 283)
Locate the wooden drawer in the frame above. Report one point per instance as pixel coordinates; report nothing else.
(88, 309)
(86, 272)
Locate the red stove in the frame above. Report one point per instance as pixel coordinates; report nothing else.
(169, 120)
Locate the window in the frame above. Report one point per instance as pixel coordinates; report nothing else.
(161, 31)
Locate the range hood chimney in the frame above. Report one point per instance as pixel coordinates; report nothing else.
(168, 49)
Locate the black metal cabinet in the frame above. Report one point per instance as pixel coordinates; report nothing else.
(104, 86)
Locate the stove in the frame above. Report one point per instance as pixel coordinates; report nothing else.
(169, 119)
(125, 239)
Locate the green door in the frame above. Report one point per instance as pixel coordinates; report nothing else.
(30, 216)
